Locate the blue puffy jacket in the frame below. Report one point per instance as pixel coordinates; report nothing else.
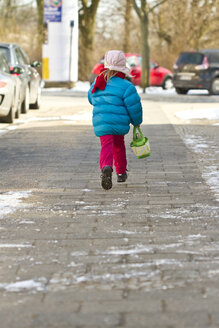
(115, 107)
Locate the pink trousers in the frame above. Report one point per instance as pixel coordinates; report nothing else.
(113, 150)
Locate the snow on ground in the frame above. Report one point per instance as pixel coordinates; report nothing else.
(21, 286)
(74, 118)
(11, 201)
(206, 152)
(203, 113)
(81, 86)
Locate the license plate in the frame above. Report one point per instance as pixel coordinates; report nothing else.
(185, 77)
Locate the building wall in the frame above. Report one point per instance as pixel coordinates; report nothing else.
(57, 66)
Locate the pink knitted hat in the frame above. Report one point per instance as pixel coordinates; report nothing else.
(115, 61)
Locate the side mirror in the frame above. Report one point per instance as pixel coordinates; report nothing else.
(16, 70)
(36, 63)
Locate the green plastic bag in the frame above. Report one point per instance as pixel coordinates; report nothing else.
(140, 144)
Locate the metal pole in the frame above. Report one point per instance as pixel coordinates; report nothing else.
(71, 27)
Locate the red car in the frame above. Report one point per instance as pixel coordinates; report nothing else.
(159, 76)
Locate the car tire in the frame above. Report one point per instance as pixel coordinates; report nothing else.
(18, 111)
(25, 104)
(36, 105)
(167, 83)
(10, 117)
(181, 91)
(214, 90)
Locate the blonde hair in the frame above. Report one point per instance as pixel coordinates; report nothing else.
(108, 74)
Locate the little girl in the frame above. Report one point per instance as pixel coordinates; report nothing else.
(116, 105)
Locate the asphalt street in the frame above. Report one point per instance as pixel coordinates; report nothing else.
(143, 254)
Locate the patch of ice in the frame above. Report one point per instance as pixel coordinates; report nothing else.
(211, 172)
(126, 232)
(205, 113)
(73, 264)
(81, 116)
(81, 86)
(79, 254)
(22, 285)
(138, 249)
(14, 245)
(11, 128)
(156, 90)
(11, 201)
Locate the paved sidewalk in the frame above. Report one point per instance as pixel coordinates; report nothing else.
(144, 254)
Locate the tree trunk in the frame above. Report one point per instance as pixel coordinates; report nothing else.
(126, 45)
(40, 11)
(87, 17)
(145, 51)
(143, 14)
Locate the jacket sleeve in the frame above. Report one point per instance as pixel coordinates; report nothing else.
(133, 105)
(89, 94)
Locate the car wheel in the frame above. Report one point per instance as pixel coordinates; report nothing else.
(25, 104)
(181, 91)
(18, 111)
(36, 105)
(10, 117)
(215, 87)
(168, 83)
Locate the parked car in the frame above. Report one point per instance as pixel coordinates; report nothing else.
(30, 78)
(159, 76)
(197, 70)
(10, 92)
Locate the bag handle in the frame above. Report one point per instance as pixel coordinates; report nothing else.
(135, 132)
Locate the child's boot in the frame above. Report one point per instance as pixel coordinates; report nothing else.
(106, 177)
(122, 177)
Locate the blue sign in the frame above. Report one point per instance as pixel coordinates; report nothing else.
(52, 10)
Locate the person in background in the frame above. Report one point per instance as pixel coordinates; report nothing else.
(116, 105)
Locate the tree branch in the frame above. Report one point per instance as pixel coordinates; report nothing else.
(137, 9)
(84, 3)
(157, 5)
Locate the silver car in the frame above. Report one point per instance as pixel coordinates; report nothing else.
(30, 78)
(10, 92)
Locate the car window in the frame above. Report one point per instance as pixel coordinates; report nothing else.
(213, 57)
(193, 58)
(24, 57)
(132, 61)
(101, 60)
(3, 65)
(152, 65)
(18, 57)
(6, 53)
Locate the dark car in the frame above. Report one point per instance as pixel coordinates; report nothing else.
(197, 70)
(159, 76)
(30, 78)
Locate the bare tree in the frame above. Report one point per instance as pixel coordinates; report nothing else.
(87, 18)
(128, 8)
(40, 12)
(184, 25)
(143, 12)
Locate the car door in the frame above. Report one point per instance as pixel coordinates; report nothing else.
(34, 77)
(7, 88)
(156, 74)
(135, 69)
(24, 77)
